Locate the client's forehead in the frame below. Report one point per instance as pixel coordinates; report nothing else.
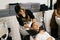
(36, 23)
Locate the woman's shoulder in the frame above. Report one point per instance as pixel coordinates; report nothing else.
(46, 33)
(28, 11)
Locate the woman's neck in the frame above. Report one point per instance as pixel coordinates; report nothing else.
(42, 32)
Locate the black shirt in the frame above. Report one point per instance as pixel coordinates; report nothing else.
(23, 20)
(32, 32)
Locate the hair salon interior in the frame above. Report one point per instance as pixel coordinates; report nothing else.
(46, 12)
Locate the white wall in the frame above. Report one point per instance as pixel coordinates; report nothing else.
(47, 2)
(4, 3)
(29, 1)
(26, 1)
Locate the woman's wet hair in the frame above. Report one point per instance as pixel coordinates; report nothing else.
(41, 28)
(17, 8)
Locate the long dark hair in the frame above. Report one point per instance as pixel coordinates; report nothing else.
(53, 23)
(17, 8)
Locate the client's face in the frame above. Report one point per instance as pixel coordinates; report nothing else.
(22, 11)
(36, 26)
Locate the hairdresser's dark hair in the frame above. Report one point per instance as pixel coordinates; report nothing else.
(17, 8)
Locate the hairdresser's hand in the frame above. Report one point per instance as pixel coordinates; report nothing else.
(31, 28)
(26, 26)
(58, 16)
